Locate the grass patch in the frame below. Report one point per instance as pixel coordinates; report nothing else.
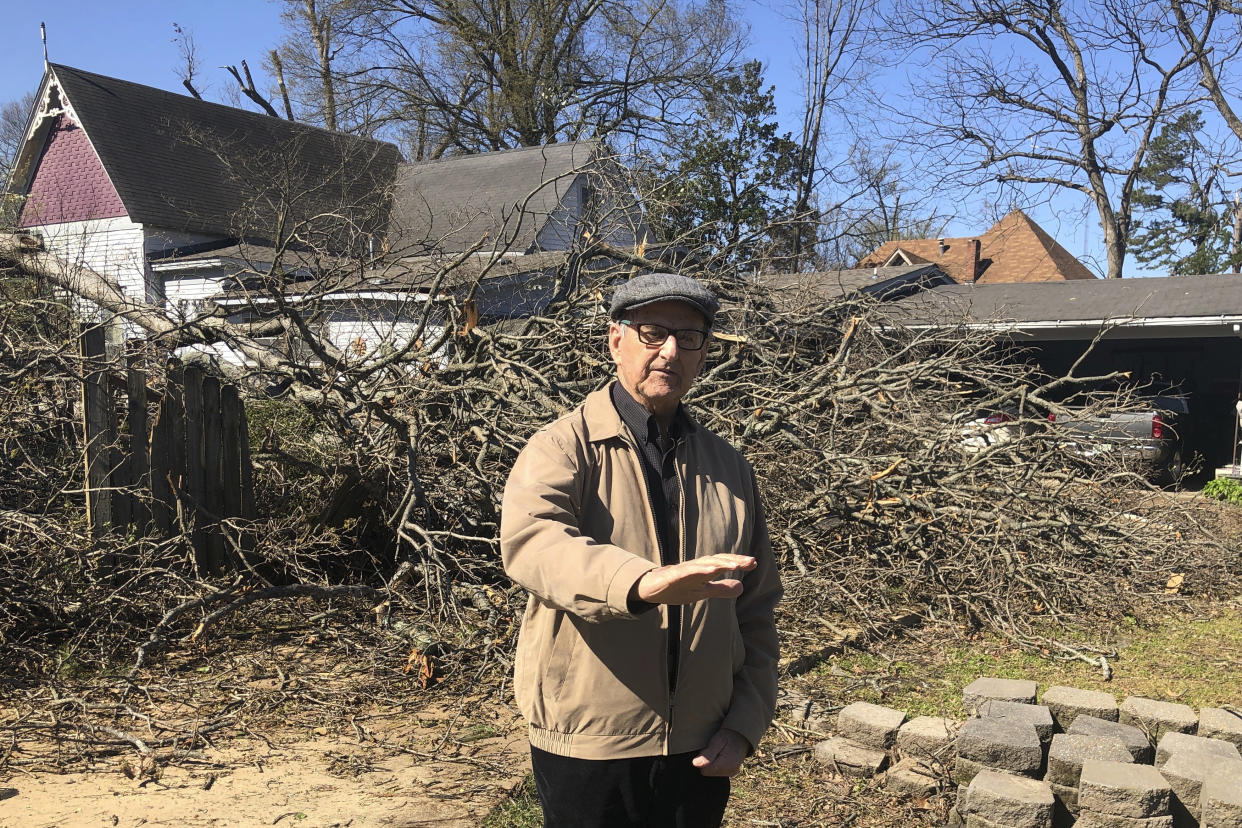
(520, 810)
(1192, 658)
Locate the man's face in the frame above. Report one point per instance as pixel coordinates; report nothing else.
(657, 376)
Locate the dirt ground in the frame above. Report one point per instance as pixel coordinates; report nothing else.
(287, 780)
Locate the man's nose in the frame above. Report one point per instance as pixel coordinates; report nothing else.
(669, 349)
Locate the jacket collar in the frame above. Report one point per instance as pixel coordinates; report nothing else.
(604, 423)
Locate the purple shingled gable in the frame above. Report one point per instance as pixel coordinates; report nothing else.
(69, 183)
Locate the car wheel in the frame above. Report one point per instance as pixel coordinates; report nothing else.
(1172, 475)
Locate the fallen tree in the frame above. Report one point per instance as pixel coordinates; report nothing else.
(378, 479)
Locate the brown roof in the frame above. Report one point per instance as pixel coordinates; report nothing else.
(1015, 249)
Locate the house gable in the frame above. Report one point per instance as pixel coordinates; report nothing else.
(69, 183)
(191, 166)
(1022, 251)
(1015, 249)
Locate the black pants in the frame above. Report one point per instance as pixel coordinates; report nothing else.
(646, 792)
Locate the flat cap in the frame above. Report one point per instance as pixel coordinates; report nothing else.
(664, 287)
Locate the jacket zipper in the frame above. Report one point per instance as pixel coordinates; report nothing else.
(681, 530)
(681, 553)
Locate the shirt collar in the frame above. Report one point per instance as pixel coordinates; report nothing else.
(641, 422)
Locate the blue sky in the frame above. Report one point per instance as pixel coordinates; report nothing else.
(133, 39)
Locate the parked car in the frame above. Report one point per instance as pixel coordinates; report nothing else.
(1154, 437)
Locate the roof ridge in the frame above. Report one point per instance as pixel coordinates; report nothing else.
(493, 153)
(235, 109)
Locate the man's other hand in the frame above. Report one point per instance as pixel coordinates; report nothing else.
(695, 580)
(723, 755)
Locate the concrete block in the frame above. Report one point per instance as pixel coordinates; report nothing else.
(870, 724)
(1068, 752)
(849, 758)
(1218, 723)
(1005, 799)
(1157, 718)
(1002, 744)
(964, 770)
(1186, 772)
(1134, 739)
(1014, 690)
(927, 737)
(1220, 802)
(1068, 703)
(1090, 819)
(977, 821)
(1123, 789)
(1173, 742)
(1037, 716)
(912, 778)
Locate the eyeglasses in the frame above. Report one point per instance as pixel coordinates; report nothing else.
(650, 334)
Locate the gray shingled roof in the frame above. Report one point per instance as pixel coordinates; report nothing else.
(1203, 298)
(793, 288)
(184, 164)
(453, 203)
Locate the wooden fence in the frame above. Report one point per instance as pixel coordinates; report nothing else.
(187, 470)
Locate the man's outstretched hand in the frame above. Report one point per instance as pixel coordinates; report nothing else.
(695, 580)
(723, 755)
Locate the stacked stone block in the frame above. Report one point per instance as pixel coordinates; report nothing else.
(1068, 703)
(1006, 745)
(1038, 716)
(1066, 757)
(1002, 800)
(1174, 742)
(1156, 718)
(924, 749)
(1188, 772)
(1220, 801)
(865, 733)
(1134, 739)
(987, 688)
(1123, 795)
(1219, 723)
(1096, 772)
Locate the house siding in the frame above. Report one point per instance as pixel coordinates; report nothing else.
(600, 201)
(111, 247)
(69, 182)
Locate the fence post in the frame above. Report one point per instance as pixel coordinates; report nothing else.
(211, 501)
(98, 428)
(139, 441)
(195, 476)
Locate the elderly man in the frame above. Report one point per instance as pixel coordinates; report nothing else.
(646, 664)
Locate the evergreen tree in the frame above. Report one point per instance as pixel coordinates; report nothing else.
(1185, 220)
(733, 181)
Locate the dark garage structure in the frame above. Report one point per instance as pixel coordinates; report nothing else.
(1183, 332)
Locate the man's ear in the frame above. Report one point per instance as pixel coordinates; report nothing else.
(614, 339)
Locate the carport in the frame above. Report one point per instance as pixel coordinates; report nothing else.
(1183, 331)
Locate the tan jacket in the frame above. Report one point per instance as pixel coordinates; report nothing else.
(577, 531)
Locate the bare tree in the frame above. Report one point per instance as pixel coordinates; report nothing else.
(485, 76)
(832, 65)
(13, 117)
(311, 58)
(1047, 97)
(189, 66)
(1210, 31)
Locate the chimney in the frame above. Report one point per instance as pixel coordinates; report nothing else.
(941, 243)
(974, 254)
